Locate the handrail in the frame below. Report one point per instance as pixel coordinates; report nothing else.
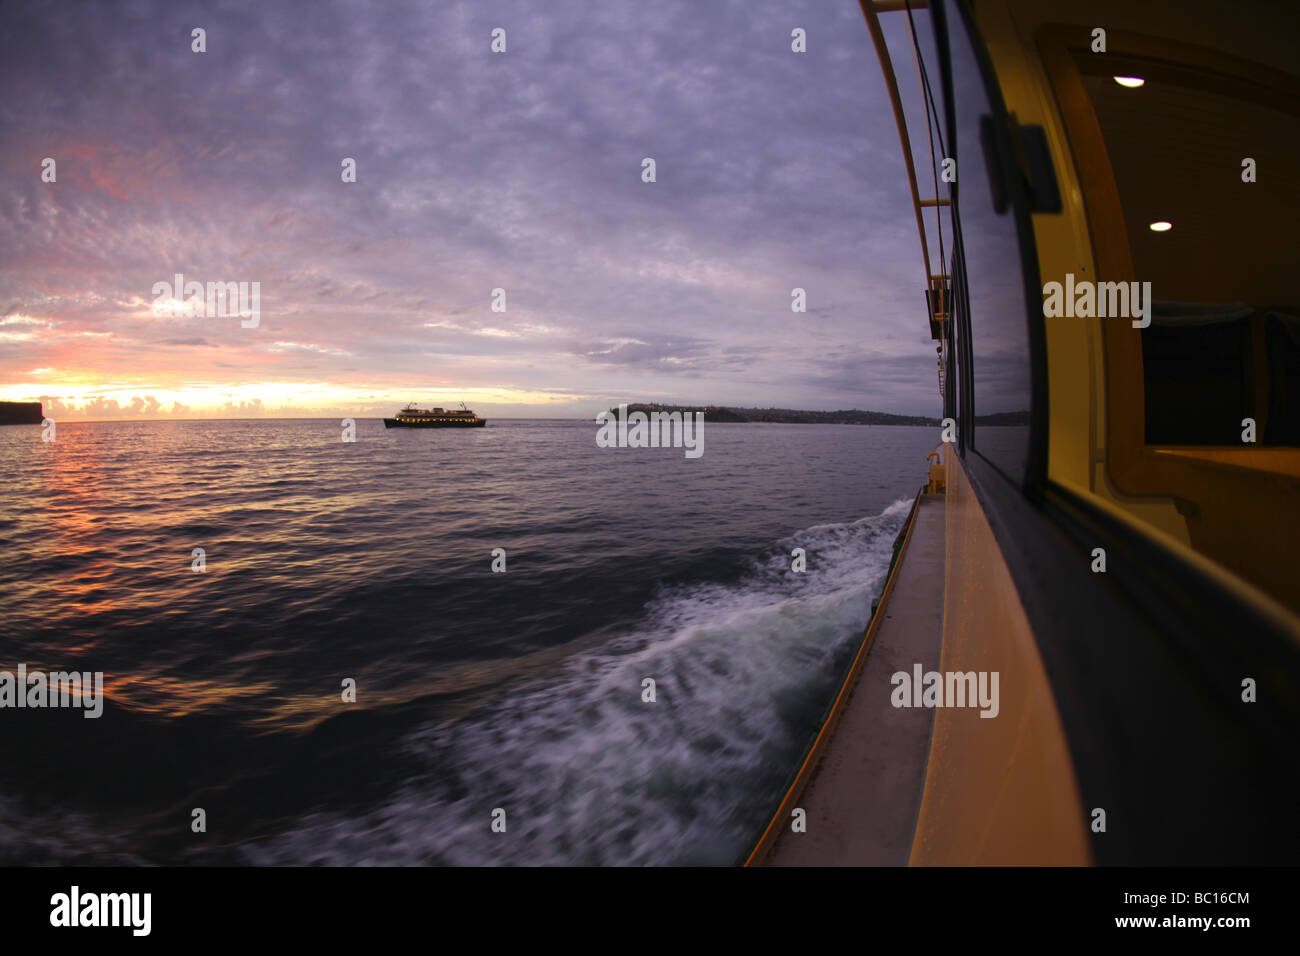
(869, 8)
(935, 283)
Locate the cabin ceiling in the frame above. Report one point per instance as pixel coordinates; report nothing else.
(1177, 154)
(1262, 31)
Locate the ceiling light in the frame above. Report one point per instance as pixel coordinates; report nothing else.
(1161, 226)
(1132, 82)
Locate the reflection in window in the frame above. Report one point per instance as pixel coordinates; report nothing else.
(995, 299)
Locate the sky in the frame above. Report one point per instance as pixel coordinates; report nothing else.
(475, 171)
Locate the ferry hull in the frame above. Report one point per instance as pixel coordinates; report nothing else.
(435, 423)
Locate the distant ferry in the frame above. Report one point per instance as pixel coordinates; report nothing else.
(412, 417)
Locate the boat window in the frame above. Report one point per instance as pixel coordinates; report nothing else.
(1201, 432)
(1220, 347)
(990, 283)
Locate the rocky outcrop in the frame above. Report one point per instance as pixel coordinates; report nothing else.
(20, 413)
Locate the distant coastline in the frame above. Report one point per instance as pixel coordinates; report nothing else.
(784, 416)
(31, 413)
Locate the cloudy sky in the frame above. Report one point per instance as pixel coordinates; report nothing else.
(475, 171)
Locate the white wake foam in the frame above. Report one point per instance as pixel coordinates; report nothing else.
(588, 773)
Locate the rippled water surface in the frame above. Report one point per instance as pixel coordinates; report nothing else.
(328, 560)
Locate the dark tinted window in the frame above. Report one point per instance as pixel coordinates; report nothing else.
(995, 294)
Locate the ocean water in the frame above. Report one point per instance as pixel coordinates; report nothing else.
(475, 691)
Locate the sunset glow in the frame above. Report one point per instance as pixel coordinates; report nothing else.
(474, 173)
